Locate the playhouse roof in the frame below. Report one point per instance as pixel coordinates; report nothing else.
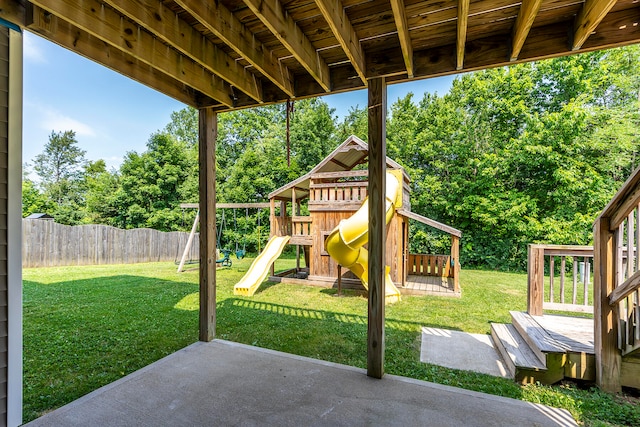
(351, 153)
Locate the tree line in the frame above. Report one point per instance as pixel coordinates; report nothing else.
(529, 153)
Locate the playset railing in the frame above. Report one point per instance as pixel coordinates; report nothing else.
(301, 230)
(430, 265)
(345, 191)
(280, 226)
(562, 293)
(617, 283)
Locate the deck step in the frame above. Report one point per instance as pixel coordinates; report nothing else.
(521, 360)
(535, 335)
(514, 349)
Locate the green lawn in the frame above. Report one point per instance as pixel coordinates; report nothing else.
(88, 326)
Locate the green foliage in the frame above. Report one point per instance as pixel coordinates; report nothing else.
(524, 154)
(153, 184)
(60, 170)
(354, 123)
(33, 200)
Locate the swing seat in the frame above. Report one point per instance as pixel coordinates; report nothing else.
(240, 253)
(225, 260)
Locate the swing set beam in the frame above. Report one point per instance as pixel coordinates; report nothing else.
(264, 205)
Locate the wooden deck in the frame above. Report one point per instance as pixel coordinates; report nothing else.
(547, 348)
(428, 285)
(415, 285)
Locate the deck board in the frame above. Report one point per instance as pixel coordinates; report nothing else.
(573, 333)
(428, 285)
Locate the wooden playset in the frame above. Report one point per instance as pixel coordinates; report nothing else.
(313, 206)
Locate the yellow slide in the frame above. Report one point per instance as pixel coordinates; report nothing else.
(345, 242)
(259, 269)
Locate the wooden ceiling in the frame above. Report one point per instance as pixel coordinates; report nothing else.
(231, 54)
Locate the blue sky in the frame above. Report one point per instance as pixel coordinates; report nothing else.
(112, 114)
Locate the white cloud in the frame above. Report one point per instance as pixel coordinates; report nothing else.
(58, 122)
(32, 50)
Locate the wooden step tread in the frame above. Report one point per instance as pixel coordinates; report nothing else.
(537, 337)
(516, 347)
(573, 333)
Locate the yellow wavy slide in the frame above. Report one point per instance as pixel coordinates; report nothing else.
(345, 242)
(259, 269)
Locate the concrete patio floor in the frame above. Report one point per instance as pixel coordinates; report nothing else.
(230, 384)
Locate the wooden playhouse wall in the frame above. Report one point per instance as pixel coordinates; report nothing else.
(325, 268)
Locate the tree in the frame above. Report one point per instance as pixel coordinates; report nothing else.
(354, 123)
(184, 126)
(312, 133)
(152, 185)
(100, 187)
(33, 201)
(59, 168)
(59, 164)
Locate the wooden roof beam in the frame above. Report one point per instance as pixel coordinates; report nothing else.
(286, 30)
(106, 24)
(340, 25)
(221, 22)
(166, 26)
(589, 17)
(400, 16)
(461, 40)
(73, 38)
(13, 12)
(527, 14)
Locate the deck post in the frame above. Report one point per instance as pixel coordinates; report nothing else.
(608, 359)
(535, 280)
(455, 257)
(377, 101)
(208, 133)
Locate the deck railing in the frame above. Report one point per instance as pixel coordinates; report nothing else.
(555, 292)
(617, 283)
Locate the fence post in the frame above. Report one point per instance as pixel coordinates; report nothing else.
(535, 280)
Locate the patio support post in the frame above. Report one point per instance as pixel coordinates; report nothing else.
(208, 133)
(377, 101)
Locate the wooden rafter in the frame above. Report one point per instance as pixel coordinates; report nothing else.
(494, 36)
(527, 14)
(339, 163)
(104, 23)
(272, 15)
(334, 14)
(400, 16)
(73, 38)
(461, 40)
(591, 14)
(174, 31)
(221, 22)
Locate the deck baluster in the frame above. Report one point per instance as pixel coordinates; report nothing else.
(562, 268)
(575, 280)
(551, 268)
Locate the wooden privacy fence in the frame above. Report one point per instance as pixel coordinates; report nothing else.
(48, 244)
(560, 294)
